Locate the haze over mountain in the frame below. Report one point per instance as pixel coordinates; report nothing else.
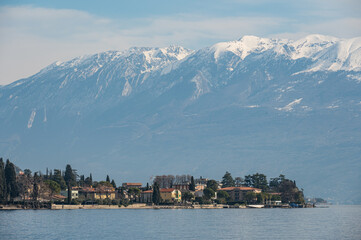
(252, 105)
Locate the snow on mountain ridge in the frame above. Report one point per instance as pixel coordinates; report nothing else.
(310, 45)
(328, 53)
(324, 53)
(244, 46)
(153, 56)
(343, 54)
(304, 47)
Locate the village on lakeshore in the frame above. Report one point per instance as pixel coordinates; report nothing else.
(65, 189)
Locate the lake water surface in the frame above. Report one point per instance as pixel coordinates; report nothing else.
(336, 222)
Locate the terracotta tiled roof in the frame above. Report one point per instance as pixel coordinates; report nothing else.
(132, 184)
(148, 191)
(239, 188)
(59, 197)
(87, 189)
(167, 189)
(97, 190)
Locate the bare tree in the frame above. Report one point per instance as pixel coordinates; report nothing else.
(165, 181)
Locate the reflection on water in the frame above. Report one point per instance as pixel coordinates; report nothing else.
(336, 222)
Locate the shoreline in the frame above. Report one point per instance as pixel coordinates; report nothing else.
(136, 206)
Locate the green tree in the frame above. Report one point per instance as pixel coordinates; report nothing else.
(69, 176)
(134, 193)
(222, 194)
(2, 182)
(24, 182)
(81, 181)
(89, 180)
(248, 181)
(187, 196)
(57, 177)
(212, 184)
(156, 194)
(290, 192)
(227, 180)
(113, 184)
(238, 181)
(107, 179)
(250, 197)
(27, 172)
(222, 197)
(192, 185)
(53, 186)
(274, 183)
(208, 193)
(260, 197)
(259, 181)
(70, 179)
(103, 184)
(10, 178)
(36, 187)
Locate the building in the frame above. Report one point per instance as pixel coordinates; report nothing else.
(170, 195)
(146, 196)
(183, 187)
(131, 185)
(57, 197)
(201, 183)
(237, 194)
(198, 193)
(74, 193)
(97, 193)
(166, 194)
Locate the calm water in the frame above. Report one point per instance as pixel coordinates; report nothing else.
(336, 222)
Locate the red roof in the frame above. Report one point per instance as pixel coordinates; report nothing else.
(148, 191)
(167, 189)
(101, 189)
(239, 188)
(132, 184)
(59, 197)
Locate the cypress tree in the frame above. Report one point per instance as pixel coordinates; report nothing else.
(36, 187)
(192, 185)
(2, 182)
(70, 180)
(108, 179)
(113, 183)
(156, 194)
(69, 193)
(69, 175)
(10, 178)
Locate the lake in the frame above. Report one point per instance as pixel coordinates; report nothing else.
(336, 222)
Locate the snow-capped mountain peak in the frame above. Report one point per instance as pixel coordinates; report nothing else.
(243, 47)
(310, 45)
(239, 100)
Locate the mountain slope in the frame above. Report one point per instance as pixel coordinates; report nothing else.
(255, 104)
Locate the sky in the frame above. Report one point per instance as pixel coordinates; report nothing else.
(34, 34)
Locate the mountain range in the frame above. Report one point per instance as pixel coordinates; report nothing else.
(274, 106)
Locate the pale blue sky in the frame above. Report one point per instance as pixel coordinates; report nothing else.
(33, 34)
